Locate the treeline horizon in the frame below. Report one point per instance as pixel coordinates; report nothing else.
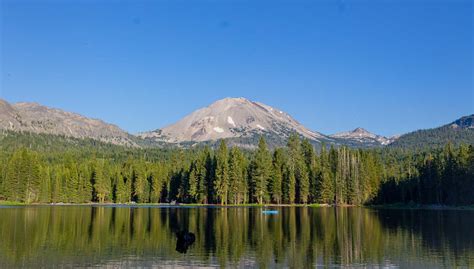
(295, 174)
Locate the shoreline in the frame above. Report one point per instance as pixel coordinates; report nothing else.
(177, 205)
(421, 207)
(6, 204)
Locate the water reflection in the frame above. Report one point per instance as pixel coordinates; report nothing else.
(184, 241)
(235, 237)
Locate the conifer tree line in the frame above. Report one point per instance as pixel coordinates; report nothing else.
(295, 174)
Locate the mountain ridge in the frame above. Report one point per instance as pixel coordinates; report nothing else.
(460, 131)
(239, 121)
(37, 118)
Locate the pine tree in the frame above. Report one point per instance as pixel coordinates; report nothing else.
(12, 184)
(122, 194)
(140, 183)
(289, 185)
(101, 182)
(45, 185)
(57, 186)
(237, 172)
(193, 182)
(221, 182)
(277, 176)
(23, 179)
(298, 169)
(85, 185)
(311, 162)
(158, 177)
(324, 181)
(32, 177)
(333, 163)
(208, 184)
(71, 180)
(261, 172)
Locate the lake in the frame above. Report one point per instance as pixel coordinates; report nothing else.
(296, 237)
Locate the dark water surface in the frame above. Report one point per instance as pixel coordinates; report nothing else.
(146, 237)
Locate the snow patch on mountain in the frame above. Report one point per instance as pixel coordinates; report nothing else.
(230, 121)
(231, 118)
(363, 136)
(218, 129)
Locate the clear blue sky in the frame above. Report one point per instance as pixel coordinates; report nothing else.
(388, 66)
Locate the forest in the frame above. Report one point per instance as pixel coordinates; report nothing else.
(59, 171)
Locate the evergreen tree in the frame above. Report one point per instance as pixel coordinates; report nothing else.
(197, 178)
(221, 182)
(311, 162)
(158, 177)
(277, 176)
(45, 186)
(22, 181)
(140, 183)
(237, 179)
(124, 183)
(101, 182)
(333, 162)
(261, 172)
(193, 182)
(324, 181)
(297, 170)
(210, 167)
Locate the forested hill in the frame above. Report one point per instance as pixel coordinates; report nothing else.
(57, 146)
(36, 169)
(458, 132)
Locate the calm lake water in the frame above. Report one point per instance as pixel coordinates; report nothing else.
(144, 237)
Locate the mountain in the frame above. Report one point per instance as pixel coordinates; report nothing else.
(237, 120)
(362, 137)
(36, 118)
(466, 122)
(9, 117)
(460, 131)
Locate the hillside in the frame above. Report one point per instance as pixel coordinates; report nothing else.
(36, 118)
(458, 132)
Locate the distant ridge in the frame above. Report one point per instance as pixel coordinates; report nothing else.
(36, 118)
(360, 135)
(460, 131)
(237, 120)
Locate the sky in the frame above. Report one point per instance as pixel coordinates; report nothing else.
(388, 66)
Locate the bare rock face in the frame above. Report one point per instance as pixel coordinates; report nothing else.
(231, 118)
(32, 117)
(360, 135)
(9, 117)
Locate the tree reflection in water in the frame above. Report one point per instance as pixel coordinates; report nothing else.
(184, 240)
(297, 237)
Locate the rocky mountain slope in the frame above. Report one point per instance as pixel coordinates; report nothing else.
(36, 118)
(237, 120)
(233, 118)
(364, 137)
